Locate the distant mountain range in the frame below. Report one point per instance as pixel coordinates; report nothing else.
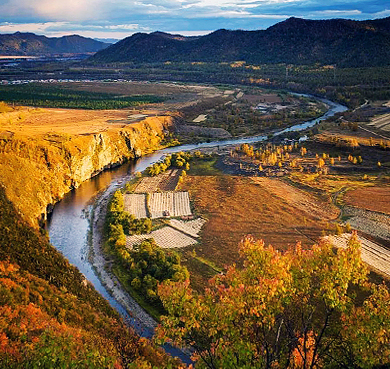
(296, 41)
(31, 44)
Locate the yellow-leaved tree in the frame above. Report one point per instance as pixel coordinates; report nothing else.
(298, 309)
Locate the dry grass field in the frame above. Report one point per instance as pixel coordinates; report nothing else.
(237, 206)
(299, 199)
(333, 186)
(381, 122)
(42, 122)
(372, 198)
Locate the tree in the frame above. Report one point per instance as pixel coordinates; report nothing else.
(292, 310)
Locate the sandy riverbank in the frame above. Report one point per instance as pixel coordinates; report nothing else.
(143, 322)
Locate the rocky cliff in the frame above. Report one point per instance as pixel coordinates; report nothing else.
(37, 172)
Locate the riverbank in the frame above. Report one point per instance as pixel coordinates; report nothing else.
(142, 321)
(68, 226)
(102, 264)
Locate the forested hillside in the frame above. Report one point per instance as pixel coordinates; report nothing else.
(50, 316)
(297, 41)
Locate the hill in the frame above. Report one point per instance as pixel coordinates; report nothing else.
(50, 316)
(31, 44)
(296, 41)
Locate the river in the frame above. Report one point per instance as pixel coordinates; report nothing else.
(69, 223)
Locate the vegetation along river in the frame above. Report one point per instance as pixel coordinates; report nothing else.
(69, 225)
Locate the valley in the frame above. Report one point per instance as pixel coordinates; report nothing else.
(289, 198)
(194, 184)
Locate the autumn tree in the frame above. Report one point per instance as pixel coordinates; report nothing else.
(282, 310)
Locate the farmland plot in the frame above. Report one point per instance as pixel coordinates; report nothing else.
(191, 227)
(136, 204)
(373, 254)
(174, 203)
(169, 182)
(166, 238)
(148, 184)
(166, 181)
(370, 222)
(381, 122)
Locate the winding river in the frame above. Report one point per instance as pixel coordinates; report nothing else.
(69, 223)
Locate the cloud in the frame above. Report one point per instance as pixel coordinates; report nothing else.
(236, 14)
(52, 10)
(192, 33)
(58, 29)
(337, 13)
(382, 14)
(120, 18)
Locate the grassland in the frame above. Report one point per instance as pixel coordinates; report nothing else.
(238, 206)
(204, 168)
(332, 187)
(379, 199)
(56, 126)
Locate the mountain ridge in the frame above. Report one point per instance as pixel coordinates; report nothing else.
(30, 44)
(342, 42)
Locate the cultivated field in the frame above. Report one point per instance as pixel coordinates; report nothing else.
(370, 222)
(166, 181)
(175, 203)
(381, 122)
(374, 255)
(190, 227)
(136, 204)
(166, 237)
(200, 118)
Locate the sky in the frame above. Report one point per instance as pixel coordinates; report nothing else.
(117, 19)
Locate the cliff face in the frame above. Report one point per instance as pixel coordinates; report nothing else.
(37, 172)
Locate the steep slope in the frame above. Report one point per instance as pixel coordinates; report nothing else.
(31, 44)
(299, 41)
(38, 169)
(50, 316)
